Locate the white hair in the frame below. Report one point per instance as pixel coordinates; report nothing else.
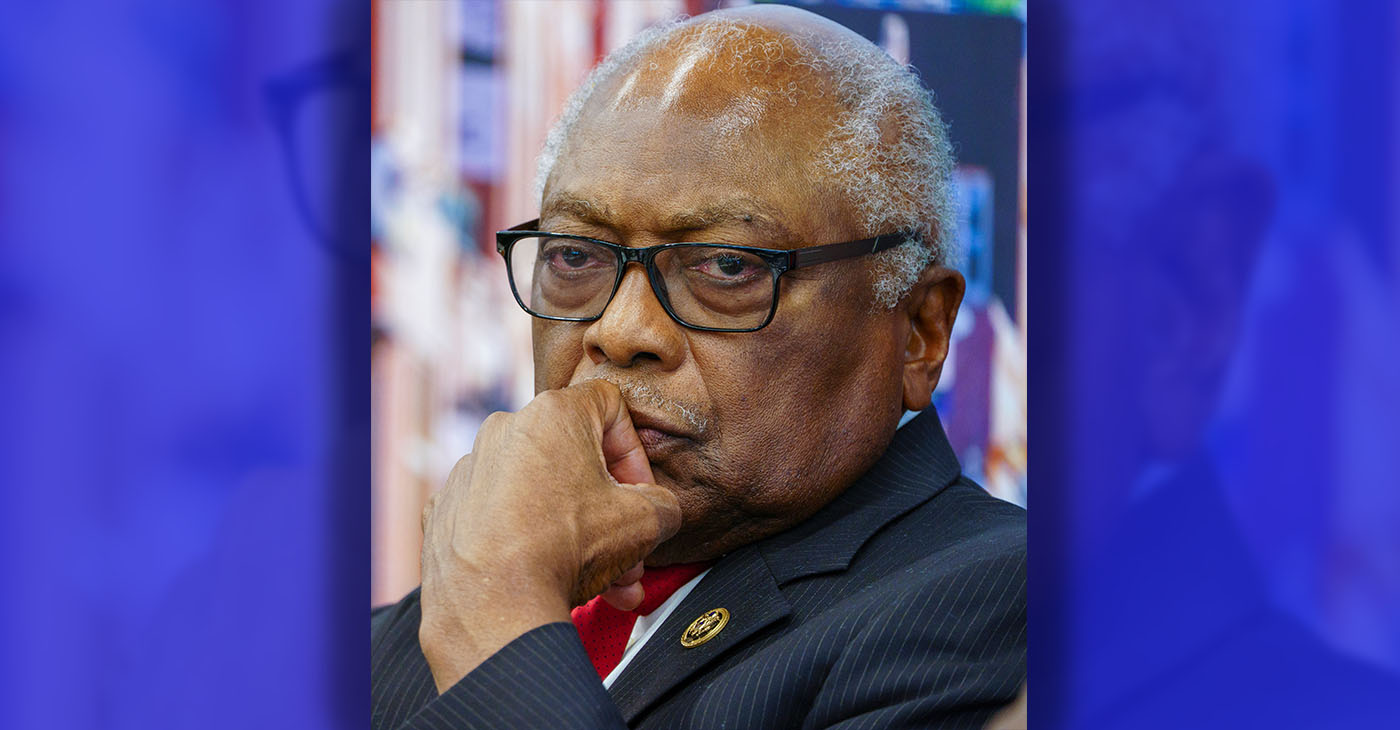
(887, 146)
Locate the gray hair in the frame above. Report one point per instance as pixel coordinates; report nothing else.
(887, 146)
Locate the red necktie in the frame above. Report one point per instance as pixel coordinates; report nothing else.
(605, 630)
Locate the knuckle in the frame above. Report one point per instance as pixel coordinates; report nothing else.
(554, 408)
(549, 400)
(598, 392)
(495, 421)
(494, 428)
(458, 471)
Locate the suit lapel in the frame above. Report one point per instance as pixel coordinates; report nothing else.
(740, 583)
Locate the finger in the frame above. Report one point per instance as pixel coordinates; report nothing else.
(631, 576)
(660, 505)
(625, 456)
(623, 453)
(626, 593)
(624, 598)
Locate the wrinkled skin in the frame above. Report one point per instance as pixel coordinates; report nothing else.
(556, 503)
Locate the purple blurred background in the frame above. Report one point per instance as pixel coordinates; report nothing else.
(185, 287)
(1213, 372)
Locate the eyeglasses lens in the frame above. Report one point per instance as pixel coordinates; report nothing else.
(706, 286)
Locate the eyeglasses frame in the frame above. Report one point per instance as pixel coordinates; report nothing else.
(780, 261)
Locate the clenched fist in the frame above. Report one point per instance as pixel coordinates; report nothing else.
(554, 505)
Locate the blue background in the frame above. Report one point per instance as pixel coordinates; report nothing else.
(184, 282)
(1213, 387)
(184, 312)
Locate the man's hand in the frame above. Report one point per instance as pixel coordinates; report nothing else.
(1010, 717)
(554, 505)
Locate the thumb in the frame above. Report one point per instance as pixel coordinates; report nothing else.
(623, 453)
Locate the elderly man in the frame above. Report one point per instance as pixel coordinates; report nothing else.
(710, 515)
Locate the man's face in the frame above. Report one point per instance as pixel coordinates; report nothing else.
(752, 431)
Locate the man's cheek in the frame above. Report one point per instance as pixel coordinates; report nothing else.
(558, 351)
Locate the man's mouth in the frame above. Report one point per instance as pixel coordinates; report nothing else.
(658, 436)
(654, 441)
(663, 424)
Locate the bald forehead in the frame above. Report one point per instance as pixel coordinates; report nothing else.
(740, 72)
(719, 58)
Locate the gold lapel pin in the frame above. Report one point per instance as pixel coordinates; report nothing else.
(704, 628)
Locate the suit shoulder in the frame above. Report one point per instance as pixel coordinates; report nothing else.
(988, 525)
(960, 525)
(967, 501)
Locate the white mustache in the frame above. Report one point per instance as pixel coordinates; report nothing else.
(641, 394)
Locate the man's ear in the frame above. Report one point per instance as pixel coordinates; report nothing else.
(932, 306)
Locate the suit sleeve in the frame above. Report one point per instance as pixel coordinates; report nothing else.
(541, 679)
(947, 654)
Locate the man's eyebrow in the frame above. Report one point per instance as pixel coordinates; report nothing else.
(739, 210)
(577, 207)
(742, 210)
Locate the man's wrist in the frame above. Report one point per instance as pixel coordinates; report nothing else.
(457, 641)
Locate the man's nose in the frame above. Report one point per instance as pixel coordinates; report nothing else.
(635, 328)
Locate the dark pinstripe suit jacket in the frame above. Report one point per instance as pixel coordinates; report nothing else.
(899, 604)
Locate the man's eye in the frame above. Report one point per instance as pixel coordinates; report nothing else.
(728, 266)
(570, 257)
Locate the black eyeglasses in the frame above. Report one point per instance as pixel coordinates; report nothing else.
(704, 286)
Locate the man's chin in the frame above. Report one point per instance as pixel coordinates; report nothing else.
(696, 542)
(679, 550)
(672, 468)
(711, 524)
